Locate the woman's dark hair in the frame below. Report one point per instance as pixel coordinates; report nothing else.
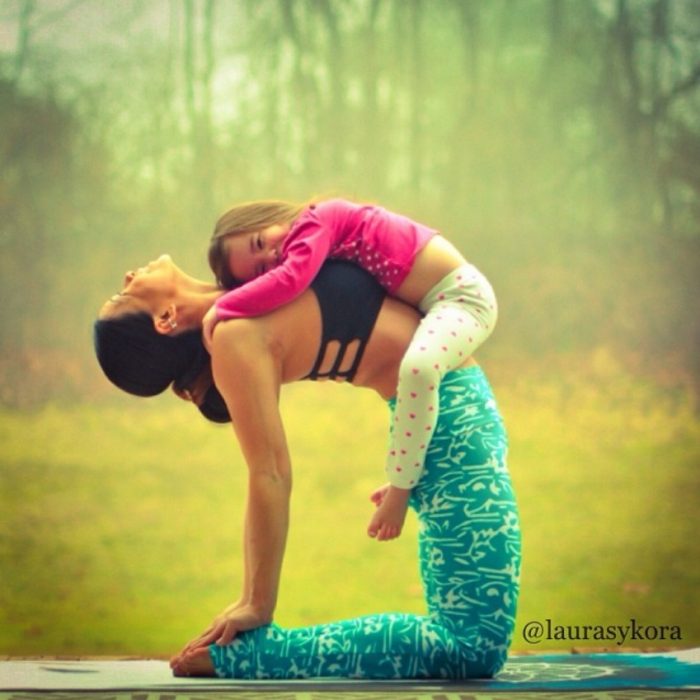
(141, 361)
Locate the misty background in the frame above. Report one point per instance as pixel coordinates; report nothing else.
(556, 142)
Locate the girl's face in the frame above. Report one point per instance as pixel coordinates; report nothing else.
(146, 288)
(250, 255)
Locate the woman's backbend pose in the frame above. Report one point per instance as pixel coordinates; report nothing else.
(269, 252)
(345, 328)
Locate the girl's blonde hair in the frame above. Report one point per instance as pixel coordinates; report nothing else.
(246, 218)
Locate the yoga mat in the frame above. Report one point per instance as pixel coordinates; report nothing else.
(677, 671)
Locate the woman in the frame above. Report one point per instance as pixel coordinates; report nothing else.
(343, 328)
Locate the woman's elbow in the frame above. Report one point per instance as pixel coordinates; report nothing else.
(273, 479)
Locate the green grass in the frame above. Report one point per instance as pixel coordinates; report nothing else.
(120, 524)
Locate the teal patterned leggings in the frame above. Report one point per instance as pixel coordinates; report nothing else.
(469, 544)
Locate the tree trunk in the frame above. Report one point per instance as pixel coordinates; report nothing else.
(23, 34)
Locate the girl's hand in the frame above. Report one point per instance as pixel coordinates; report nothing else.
(208, 323)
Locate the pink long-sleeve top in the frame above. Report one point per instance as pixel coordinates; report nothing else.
(383, 243)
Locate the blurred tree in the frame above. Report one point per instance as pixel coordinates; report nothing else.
(548, 138)
(199, 67)
(42, 167)
(23, 31)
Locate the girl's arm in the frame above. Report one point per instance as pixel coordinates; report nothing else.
(307, 249)
(248, 376)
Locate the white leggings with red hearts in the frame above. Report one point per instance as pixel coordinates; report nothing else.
(460, 313)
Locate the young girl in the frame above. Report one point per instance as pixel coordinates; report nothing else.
(269, 252)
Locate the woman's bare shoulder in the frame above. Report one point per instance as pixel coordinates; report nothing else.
(238, 336)
(290, 334)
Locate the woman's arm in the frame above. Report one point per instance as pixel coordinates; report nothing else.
(247, 374)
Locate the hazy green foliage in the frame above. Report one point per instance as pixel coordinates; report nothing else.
(556, 141)
(122, 525)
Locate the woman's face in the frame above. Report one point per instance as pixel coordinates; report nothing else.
(147, 288)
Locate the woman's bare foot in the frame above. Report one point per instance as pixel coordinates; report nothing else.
(194, 663)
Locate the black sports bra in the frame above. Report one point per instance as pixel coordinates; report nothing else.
(350, 299)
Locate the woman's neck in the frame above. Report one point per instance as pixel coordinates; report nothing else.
(194, 299)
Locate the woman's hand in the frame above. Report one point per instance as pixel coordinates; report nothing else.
(208, 323)
(239, 617)
(232, 621)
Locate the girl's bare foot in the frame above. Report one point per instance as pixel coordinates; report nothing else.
(387, 521)
(382, 530)
(378, 495)
(194, 663)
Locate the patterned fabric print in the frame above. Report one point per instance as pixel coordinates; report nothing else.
(469, 545)
(469, 537)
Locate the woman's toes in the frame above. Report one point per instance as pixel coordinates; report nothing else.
(196, 663)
